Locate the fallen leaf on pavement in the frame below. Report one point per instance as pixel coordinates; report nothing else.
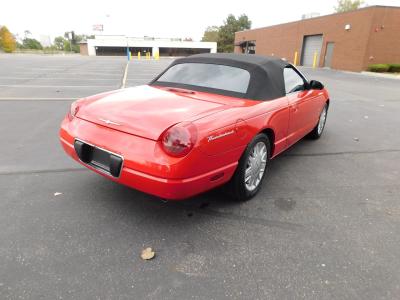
(147, 253)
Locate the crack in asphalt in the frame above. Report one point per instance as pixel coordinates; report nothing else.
(251, 220)
(240, 218)
(293, 227)
(44, 171)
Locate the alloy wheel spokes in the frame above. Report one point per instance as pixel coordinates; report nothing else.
(256, 166)
(322, 120)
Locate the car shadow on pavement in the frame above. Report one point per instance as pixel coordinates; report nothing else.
(214, 204)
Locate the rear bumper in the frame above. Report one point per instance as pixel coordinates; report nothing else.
(172, 189)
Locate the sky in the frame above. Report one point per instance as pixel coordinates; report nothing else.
(168, 18)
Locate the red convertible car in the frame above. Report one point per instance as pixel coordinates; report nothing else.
(206, 120)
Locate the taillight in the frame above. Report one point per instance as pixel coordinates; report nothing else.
(178, 140)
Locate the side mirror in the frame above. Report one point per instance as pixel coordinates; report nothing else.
(316, 85)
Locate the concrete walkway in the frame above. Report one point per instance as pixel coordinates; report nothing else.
(384, 75)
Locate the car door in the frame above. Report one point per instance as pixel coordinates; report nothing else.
(303, 109)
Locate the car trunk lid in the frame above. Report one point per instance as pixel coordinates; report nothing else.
(147, 111)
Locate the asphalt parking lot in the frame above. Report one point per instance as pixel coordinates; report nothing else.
(326, 224)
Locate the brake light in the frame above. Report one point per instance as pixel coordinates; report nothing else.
(178, 140)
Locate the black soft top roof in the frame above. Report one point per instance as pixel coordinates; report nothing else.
(266, 73)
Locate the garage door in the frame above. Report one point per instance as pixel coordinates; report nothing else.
(311, 44)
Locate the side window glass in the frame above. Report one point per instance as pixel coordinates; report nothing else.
(293, 81)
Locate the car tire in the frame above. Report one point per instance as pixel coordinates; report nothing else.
(319, 128)
(257, 153)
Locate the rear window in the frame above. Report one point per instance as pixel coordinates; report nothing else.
(209, 76)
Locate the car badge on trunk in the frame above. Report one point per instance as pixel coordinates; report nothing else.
(108, 122)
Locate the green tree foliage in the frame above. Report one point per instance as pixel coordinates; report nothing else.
(68, 46)
(63, 43)
(7, 40)
(211, 34)
(226, 34)
(59, 42)
(348, 5)
(29, 43)
(77, 38)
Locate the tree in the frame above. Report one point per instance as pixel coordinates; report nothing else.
(28, 43)
(348, 5)
(7, 40)
(68, 46)
(72, 45)
(59, 42)
(27, 34)
(211, 34)
(226, 33)
(82, 37)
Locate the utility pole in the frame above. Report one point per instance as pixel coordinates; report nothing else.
(70, 41)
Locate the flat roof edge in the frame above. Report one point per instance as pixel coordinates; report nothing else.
(324, 16)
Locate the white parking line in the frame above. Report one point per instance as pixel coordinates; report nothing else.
(55, 78)
(43, 69)
(56, 86)
(37, 98)
(72, 73)
(124, 77)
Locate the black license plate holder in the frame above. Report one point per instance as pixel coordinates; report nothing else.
(101, 159)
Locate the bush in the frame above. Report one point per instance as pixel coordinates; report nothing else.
(395, 68)
(379, 68)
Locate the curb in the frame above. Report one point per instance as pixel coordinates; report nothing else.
(381, 75)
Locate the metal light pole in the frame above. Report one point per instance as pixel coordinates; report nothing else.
(70, 41)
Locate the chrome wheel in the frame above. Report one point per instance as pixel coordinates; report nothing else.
(255, 166)
(322, 120)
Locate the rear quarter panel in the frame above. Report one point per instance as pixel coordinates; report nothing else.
(242, 124)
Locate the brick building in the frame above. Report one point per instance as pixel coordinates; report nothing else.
(347, 41)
